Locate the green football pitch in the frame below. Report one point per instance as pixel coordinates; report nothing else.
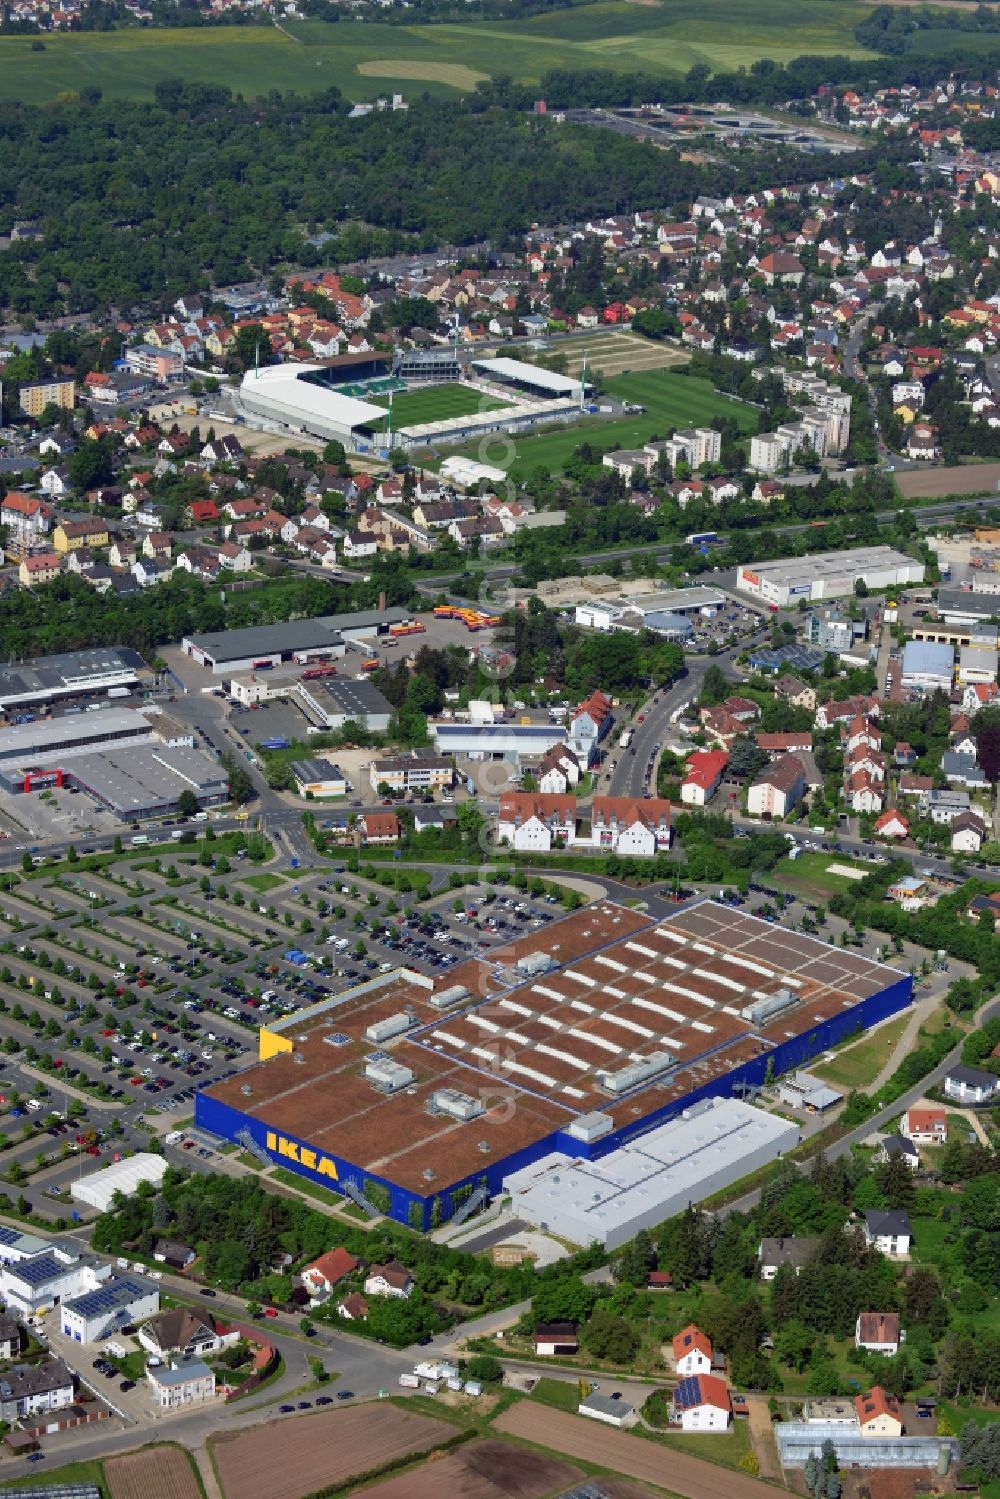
(435, 403)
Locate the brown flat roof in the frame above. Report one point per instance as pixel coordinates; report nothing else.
(625, 987)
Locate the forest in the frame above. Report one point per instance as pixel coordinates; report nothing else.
(143, 202)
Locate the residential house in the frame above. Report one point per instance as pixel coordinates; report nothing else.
(926, 1124)
(536, 822)
(589, 724)
(879, 1413)
(970, 1085)
(380, 827)
(184, 1333)
(888, 1230)
(895, 1147)
(702, 1402)
(353, 1307)
(703, 776)
(692, 1350)
(636, 826)
(322, 1275)
(968, 833)
(27, 520)
(892, 824)
(40, 567)
(558, 769)
(174, 1385)
(796, 692)
(795, 1251)
(879, 1332)
(29, 1390)
(70, 535)
(777, 788)
(390, 1279)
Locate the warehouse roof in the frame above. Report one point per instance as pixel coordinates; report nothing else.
(69, 671)
(821, 566)
(149, 775)
(113, 1296)
(928, 658)
(266, 640)
(26, 739)
(356, 699)
(305, 771)
(672, 1162)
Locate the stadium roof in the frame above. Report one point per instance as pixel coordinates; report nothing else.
(292, 397)
(529, 374)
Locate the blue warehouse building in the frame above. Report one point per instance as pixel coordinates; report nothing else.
(418, 1096)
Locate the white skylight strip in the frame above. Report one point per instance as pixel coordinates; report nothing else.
(600, 1041)
(647, 952)
(630, 1025)
(699, 1025)
(563, 1056)
(613, 963)
(484, 1025)
(581, 978)
(449, 1040)
(549, 993)
(537, 1077)
(578, 1004)
(732, 957)
(650, 1004)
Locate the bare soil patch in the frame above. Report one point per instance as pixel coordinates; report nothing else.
(289, 1459)
(632, 1457)
(963, 478)
(156, 1473)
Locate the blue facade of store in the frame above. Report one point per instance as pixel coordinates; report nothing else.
(413, 1208)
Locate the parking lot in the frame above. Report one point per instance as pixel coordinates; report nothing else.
(126, 988)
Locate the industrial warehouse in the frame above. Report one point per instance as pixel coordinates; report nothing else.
(421, 1097)
(298, 640)
(828, 575)
(53, 679)
(117, 756)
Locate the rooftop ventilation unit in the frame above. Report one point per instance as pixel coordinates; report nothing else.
(637, 1072)
(592, 1126)
(389, 1077)
(246, 1090)
(534, 963)
(456, 1105)
(384, 1030)
(448, 997)
(298, 1059)
(768, 1005)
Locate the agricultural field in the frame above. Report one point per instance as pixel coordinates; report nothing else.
(482, 1470)
(365, 59)
(289, 1459)
(435, 403)
(671, 400)
(163, 1472)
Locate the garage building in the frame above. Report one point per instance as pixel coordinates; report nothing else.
(319, 778)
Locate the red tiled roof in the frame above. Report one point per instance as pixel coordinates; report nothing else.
(690, 1338)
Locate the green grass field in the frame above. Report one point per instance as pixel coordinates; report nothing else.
(860, 1062)
(365, 59)
(809, 875)
(412, 408)
(671, 400)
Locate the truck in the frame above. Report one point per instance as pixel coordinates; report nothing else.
(409, 1382)
(118, 692)
(140, 839)
(625, 739)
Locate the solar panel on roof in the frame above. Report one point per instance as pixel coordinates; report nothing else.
(688, 1392)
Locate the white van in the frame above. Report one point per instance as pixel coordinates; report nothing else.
(34, 1105)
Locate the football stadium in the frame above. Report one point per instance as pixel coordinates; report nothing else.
(419, 399)
(420, 1096)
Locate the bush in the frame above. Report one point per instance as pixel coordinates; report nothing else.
(485, 1368)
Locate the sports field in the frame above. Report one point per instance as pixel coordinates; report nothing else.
(671, 400)
(434, 403)
(365, 59)
(621, 352)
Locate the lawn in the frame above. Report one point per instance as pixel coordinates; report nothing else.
(262, 882)
(365, 59)
(558, 1392)
(412, 408)
(671, 400)
(70, 1473)
(858, 1063)
(809, 875)
(713, 1447)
